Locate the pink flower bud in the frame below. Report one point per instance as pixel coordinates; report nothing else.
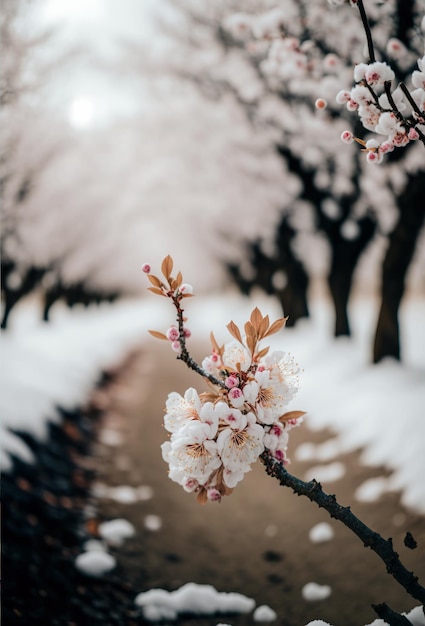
(186, 289)
(320, 103)
(236, 397)
(400, 139)
(173, 333)
(413, 134)
(347, 136)
(176, 346)
(372, 157)
(187, 333)
(146, 268)
(213, 494)
(231, 381)
(280, 456)
(343, 96)
(190, 484)
(386, 146)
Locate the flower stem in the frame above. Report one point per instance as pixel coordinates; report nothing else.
(371, 539)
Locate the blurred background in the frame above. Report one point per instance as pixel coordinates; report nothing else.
(136, 130)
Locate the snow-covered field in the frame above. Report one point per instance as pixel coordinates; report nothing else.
(377, 408)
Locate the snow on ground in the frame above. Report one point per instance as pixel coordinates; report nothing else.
(158, 604)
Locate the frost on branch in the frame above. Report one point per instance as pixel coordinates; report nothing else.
(216, 436)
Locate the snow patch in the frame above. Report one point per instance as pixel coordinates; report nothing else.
(321, 532)
(116, 531)
(192, 598)
(372, 489)
(312, 591)
(95, 563)
(326, 473)
(264, 613)
(153, 522)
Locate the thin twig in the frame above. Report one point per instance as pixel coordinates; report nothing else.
(410, 99)
(184, 354)
(367, 31)
(371, 539)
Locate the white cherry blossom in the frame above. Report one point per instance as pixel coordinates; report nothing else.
(240, 447)
(234, 354)
(181, 409)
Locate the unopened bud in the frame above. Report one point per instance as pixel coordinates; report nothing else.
(320, 103)
(186, 289)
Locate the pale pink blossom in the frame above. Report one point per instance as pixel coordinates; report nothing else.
(236, 354)
(378, 73)
(236, 397)
(413, 134)
(193, 453)
(240, 447)
(347, 136)
(213, 494)
(173, 333)
(146, 268)
(231, 381)
(180, 409)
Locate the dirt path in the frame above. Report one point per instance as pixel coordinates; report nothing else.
(256, 541)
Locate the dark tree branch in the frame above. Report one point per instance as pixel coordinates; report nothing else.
(391, 617)
(367, 31)
(371, 539)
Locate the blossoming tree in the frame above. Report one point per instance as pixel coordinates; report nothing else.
(291, 69)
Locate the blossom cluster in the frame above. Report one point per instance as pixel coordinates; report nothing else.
(398, 115)
(216, 436)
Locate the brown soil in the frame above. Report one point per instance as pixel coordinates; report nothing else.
(256, 541)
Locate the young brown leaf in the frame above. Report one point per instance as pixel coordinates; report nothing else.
(234, 330)
(179, 279)
(276, 326)
(157, 334)
(157, 291)
(167, 267)
(264, 326)
(251, 337)
(263, 352)
(208, 397)
(214, 344)
(291, 415)
(154, 280)
(202, 497)
(256, 318)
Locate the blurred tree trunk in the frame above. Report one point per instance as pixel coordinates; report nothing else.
(402, 243)
(345, 256)
(292, 295)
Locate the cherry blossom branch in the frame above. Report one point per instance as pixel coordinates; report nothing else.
(376, 116)
(184, 354)
(215, 437)
(382, 547)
